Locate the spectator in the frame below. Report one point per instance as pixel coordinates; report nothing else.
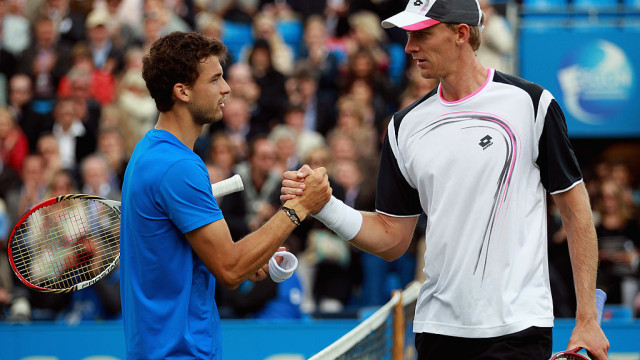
(237, 125)
(284, 138)
(105, 54)
(9, 180)
(137, 109)
(46, 60)
(244, 85)
(68, 22)
(88, 109)
(618, 244)
(74, 141)
(49, 149)
(351, 122)
(102, 82)
(367, 35)
(305, 139)
(273, 95)
(14, 145)
(98, 178)
(221, 154)
(498, 41)
(316, 54)
(16, 34)
(282, 56)
(247, 210)
(8, 67)
(111, 145)
(31, 190)
(23, 109)
(319, 108)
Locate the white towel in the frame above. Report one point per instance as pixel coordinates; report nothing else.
(282, 272)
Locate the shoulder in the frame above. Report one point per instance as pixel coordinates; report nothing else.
(534, 90)
(400, 115)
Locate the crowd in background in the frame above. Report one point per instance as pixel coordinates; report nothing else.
(312, 82)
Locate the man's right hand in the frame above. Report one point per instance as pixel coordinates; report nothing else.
(317, 191)
(293, 183)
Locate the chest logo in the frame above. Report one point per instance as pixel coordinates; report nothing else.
(485, 142)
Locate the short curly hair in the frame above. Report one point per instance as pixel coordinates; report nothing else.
(175, 58)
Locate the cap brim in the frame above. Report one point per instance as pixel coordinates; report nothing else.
(409, 21)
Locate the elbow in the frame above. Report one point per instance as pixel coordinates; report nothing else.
(230, 276)
(230, 281)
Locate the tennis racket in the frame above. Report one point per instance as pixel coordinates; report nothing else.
(573, 354)
(71, 241)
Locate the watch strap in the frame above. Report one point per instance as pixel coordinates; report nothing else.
(291, 214)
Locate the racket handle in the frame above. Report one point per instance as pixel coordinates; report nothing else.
(227, 186)
(601, 297)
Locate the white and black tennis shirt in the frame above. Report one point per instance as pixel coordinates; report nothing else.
(480, 168)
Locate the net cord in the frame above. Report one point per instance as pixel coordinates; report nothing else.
(369, 325)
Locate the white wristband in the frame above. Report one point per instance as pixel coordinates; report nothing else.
(341, 218)
(282, 272)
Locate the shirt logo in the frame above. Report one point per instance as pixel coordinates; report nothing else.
(485, 142)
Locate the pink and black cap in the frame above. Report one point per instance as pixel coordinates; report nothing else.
(421, 14)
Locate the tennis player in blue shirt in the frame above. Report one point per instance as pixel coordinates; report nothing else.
(175, 243)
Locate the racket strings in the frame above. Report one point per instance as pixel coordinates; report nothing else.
(66, 243)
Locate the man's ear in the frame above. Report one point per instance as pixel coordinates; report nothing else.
(181, 92)
(463, 32)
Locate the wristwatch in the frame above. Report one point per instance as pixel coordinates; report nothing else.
(291, 214)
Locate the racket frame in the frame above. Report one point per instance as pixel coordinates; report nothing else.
(112, 204)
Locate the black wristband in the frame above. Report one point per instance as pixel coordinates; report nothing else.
(291, 214)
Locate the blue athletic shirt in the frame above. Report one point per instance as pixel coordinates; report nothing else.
(167, 293)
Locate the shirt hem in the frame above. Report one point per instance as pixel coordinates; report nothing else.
(480, 332)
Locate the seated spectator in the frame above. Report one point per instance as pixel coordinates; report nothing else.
(111, 146)
(137, 109)
(98, 178)
(46, 60)
(618, 244)
(102, 83)
(74, 141)
(23, 109)
(14, 145)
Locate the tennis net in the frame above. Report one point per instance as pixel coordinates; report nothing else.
(386, 334)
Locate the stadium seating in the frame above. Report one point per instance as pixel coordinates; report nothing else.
(236, 36)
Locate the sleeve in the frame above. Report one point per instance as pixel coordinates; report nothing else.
(559, 169)
(394, 195)
(185, 195)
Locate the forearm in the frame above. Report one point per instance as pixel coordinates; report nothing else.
(583, 248)
(257, 248)
(384, 236)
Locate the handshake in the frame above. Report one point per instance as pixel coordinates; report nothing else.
(333, 213)
(306, 191)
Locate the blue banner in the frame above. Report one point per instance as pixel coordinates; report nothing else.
(593, 74)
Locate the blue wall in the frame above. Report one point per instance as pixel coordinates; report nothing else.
(242, 340)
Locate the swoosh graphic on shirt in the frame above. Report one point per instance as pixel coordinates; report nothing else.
(504, 180)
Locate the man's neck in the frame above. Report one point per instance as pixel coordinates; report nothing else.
(180, 124)
(460, 84)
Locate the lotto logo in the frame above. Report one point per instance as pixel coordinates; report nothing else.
(485, 142)
(418, 3)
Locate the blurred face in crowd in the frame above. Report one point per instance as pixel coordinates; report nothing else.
(65, 114)
(264, 156)
(20, 90)
(33, 171)
(45, 33)
(236, 114)
(98, 34)
(6, 123)
(95, 172)
(61, 184)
